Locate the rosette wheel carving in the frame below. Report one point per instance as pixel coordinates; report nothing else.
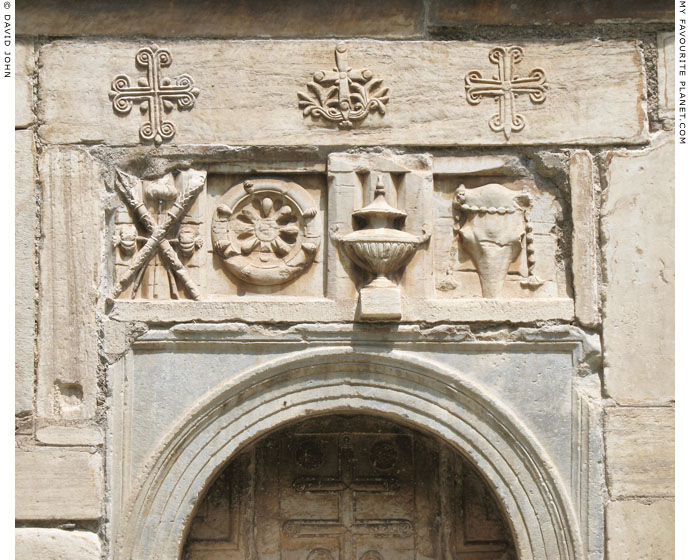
(266, 231)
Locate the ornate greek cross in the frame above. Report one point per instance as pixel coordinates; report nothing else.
(505, 89)
(347, 526)
(343, 94)
(158, 95)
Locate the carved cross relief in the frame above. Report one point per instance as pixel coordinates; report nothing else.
(157, 95)
(505, 87)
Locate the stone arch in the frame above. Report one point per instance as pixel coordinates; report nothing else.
(417, 393)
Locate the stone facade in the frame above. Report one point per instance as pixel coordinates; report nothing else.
(344, 281)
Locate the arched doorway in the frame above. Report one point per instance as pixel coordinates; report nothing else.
(349, 487)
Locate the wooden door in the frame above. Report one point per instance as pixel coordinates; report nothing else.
(349, 488)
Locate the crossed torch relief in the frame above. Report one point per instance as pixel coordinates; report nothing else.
(505, 89)
(158, 230)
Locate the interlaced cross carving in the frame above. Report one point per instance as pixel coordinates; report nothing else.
(158, 95)
(347, 526)
(344, 94)
(157, 242)
(505, 89)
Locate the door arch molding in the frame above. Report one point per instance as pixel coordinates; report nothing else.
(397, 385)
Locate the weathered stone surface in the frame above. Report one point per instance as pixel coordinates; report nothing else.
(666, 72)
(585, 235)
(637, 226)
(639, 530)
(70, 435)
(449, 13)
(24, 232)
(318, 310)
(71, 226)
(207, 18)
(248, 93)
(56, 544)
(640, 451)
(23, 83)
(58, 484)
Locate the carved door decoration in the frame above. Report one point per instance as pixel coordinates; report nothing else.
(349, 488)
(266, 231)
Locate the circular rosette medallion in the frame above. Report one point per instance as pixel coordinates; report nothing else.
(266, 231)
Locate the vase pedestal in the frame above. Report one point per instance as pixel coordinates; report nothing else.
(380, 303)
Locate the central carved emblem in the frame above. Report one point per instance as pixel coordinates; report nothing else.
(266, 231)
(157, 95)
(505, 88)
(343, 95)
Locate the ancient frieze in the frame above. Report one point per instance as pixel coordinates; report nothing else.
(249, 93)
(365, 237)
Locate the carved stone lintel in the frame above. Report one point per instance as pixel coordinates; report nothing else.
(266, 231)
(343, 95)
(496, 226)
(158, 95)
(505, 89)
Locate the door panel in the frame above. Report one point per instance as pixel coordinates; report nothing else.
(349, 488)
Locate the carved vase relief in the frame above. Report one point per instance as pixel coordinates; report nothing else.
(157, 95)
(349, 488)
(494, 229)
(156, 237)
(266, 231)
(381, 249)
(343, 95)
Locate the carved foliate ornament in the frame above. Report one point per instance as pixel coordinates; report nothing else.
(505, 87)
(266, 231)
(494, 228)
(157, 95)
(343, 95)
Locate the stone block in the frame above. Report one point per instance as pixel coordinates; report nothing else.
(71, 227)
(23, 83)
(666, 71)
(56, 544)
(57, 484)
(585, 235)
(380, 303)
(637, 227)
(450, 13)
(637, 530)
(208, 18)
(640, 451)
(248, 93)
(24, 238)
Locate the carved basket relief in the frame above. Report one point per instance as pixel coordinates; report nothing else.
(507, 239)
